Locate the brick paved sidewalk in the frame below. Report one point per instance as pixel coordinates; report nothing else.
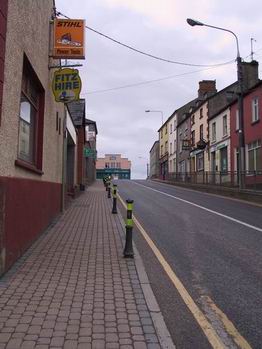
(73, 288)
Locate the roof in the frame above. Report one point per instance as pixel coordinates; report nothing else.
(91, 122)
(76, 110)
(155, 143)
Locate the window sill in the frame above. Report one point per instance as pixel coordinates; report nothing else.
(255, 122)
(27, 166)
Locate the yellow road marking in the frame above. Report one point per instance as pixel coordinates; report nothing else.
(229, 326)
(203, 322)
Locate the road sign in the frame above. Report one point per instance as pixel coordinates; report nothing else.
(66, 85)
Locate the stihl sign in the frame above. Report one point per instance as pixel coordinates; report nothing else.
(69, 38)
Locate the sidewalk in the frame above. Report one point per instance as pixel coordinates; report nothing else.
(73, 289)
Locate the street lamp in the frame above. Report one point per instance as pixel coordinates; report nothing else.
(147, 165)
(241, 138)
(155, 111)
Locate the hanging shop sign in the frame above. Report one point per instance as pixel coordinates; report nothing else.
(66, 85)
(186, 144)
(89, 153)
(69, 38)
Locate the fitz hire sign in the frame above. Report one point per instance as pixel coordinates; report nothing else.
(66, 85)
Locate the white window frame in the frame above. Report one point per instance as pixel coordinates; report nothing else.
(214, 135)
(255, 109)
(225, 129)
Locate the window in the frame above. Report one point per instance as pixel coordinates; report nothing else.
(225, 125)
(174, 145)
(201, 113)
(31, 118)
(254, 156)
(201, 132)
(166, 150)
(107, 165)
(170, 128)
(118, 165)
(200, 161)
(223, 159)
(161, 153)
(166, 129)
(112, 165)
(193, 120)
(214, 132)
(237, 120)
(161, 133)
(255, 115)
(170, 148)
(193, 138)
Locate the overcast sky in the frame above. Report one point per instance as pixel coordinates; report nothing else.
(157, 27)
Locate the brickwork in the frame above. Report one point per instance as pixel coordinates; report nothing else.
(73, 288)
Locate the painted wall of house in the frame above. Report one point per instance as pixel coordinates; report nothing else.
(29, 200)
(183, 159)
(172, 139)
(198, 118)
(252, 130)
(219, 141)
(3, 21)
(154, 160)
(113, 160)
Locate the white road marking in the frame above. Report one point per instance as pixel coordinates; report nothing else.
(204, 208)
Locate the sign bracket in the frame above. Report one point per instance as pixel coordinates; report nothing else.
(64, 66)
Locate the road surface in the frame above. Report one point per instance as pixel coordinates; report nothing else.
(213, 247)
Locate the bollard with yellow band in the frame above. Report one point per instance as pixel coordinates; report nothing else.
(109, 189)
(114, 209)
(128, 250)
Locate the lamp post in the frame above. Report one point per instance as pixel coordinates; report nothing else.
(156, 111)
(147, 165)
(241, 138)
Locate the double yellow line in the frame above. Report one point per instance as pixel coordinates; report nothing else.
(209, 331)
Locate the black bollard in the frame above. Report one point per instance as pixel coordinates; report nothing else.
(109, 190)
(128, 251)
(114, 209)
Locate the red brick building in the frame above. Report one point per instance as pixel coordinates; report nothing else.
(252, 133)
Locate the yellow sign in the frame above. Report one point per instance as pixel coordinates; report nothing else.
(66, 85)
(69, 38)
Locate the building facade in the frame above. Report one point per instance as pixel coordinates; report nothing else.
(154, 161)
(31, 150)
(163, 150)
(113, 165)
(252, 135)
(90, 146)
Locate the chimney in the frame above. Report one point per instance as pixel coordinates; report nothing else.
(250, 74)
(206, 88)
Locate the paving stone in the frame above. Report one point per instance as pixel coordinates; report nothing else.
(72, 289)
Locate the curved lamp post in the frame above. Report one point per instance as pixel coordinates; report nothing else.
(156, 111)
(241, 138)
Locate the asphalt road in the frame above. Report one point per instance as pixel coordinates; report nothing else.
(214, 246)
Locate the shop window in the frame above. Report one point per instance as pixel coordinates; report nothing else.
(31, 119)
(223, 159)
(200, 161)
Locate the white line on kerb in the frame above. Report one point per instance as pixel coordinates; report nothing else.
(204, 208)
